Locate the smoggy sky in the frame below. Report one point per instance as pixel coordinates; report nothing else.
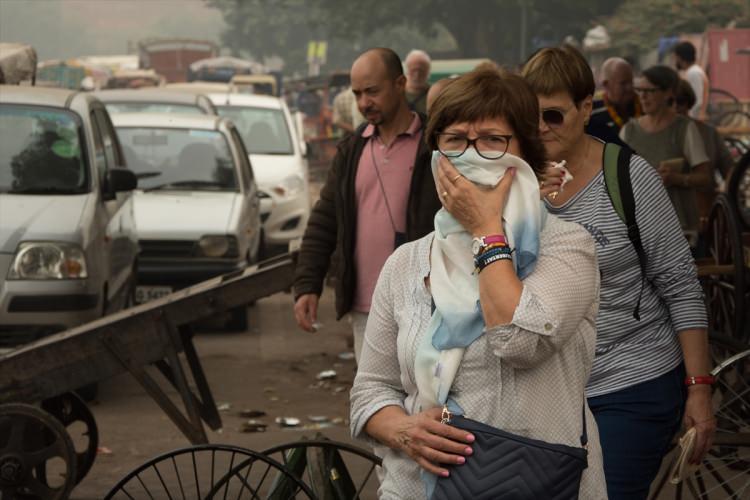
(70, 28)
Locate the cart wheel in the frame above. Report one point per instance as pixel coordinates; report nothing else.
(725, 472)
(738, 189)
(330, 469)
(30, 438)
(195, 473)
(78, 420)
(725, 290)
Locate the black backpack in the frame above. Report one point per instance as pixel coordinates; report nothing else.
(620, 190)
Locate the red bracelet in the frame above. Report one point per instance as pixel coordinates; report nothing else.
(706, 379)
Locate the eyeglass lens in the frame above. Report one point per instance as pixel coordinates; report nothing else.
(491, 147)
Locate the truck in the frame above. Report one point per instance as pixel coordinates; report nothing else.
(172, 57)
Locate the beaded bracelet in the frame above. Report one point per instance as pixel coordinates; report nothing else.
(494, 251)
(492, 246)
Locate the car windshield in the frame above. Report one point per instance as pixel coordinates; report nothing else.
(40, 151)
(263, 130)
(178, 159)
(153, 107)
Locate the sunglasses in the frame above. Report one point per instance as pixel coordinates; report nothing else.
(553, 117)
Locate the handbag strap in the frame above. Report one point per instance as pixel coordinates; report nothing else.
(584, 431)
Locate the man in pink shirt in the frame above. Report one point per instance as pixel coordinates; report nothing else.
(379, 193)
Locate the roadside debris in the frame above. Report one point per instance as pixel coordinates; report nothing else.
(288, 421)
(326, 375)
(252, 413)
(253, 425)
(224, 407)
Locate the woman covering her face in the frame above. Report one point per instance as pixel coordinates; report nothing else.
(651, 329)
(492, 315)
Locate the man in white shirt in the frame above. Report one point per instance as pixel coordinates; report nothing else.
(684, 55)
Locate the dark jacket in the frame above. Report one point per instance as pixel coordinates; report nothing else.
(332, 224)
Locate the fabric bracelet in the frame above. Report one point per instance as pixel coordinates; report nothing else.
(484, 262)
(493, 251)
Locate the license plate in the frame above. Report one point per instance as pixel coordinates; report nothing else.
(147, 293)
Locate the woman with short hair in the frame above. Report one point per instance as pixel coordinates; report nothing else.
(651, 329)
(491, 316)
(670, 142)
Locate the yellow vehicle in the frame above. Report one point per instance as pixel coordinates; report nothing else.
(254, 84)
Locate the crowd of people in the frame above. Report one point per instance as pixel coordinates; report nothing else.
(514, 251)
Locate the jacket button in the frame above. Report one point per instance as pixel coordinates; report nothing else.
(548, 326)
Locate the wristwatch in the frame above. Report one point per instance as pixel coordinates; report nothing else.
(478, 244)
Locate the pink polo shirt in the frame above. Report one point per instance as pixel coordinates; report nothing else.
(375, 236)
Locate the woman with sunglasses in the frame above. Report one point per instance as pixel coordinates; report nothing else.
(671, 143)
(492, 315)
(644, 361)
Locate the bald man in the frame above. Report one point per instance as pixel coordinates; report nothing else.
(418, 65)
(379, 193)
(618, 104)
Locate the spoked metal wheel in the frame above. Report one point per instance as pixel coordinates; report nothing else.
(332, 470)
(196, 473)
(724, 273)
(73, 413)
(31, 441)
(725, 472)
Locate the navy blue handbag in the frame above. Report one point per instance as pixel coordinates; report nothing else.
(505, 466)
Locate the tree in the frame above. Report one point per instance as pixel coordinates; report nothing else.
(638, 24)
(481, 28)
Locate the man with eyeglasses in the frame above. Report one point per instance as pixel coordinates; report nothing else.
(379, 193)
(618, 103)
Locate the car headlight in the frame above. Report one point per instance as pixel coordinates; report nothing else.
(290, 186)
(48, 261)
(218, 246)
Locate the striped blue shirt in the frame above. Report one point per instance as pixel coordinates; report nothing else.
(628, 351)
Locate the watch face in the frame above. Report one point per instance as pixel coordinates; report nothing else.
(476, 246)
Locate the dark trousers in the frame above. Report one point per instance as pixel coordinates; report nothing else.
(636, 425)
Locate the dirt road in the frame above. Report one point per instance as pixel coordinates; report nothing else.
(272, 368)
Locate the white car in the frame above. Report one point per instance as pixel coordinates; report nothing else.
(278, 158)
(68, 242)
(197, 207)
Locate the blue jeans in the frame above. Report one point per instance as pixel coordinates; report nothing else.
(636, 425)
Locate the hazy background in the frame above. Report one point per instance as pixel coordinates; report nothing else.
(61, 29)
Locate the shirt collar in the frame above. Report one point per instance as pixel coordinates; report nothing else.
(414, 127)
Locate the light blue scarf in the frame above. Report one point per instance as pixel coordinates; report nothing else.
(457, 319)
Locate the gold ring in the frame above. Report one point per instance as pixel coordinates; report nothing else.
(456, 178)
(445, 194)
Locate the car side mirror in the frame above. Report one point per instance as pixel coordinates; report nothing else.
(118, 180)
(304, 148)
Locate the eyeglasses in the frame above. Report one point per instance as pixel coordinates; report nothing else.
(646, 90)
(554, 117)
(489, 147)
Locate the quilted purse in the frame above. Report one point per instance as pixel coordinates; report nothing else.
(505, 466)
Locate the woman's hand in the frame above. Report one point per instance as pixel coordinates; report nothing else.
(478, 209)
(668, 172)
(551, 181)
(699, 414)
(430, 443)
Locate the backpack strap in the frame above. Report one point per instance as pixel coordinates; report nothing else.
(620, 190)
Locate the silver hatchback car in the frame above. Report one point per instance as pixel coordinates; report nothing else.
(68, 243)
